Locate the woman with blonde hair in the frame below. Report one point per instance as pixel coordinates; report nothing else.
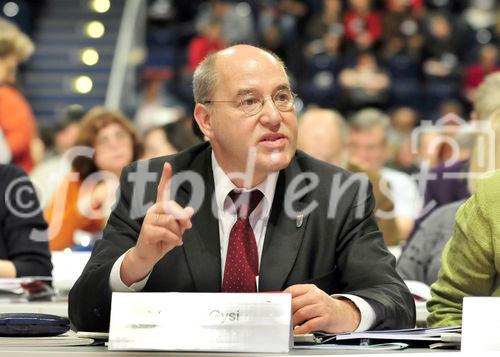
(107, 142)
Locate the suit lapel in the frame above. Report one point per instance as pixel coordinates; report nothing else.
(284, 234)
(202, 243)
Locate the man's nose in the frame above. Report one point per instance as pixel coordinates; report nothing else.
(270, 114)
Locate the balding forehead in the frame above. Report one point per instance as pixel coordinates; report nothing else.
(227, 52)
(250, 62)
(247, 51)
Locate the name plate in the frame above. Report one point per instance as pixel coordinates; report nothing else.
(222, 322)
(480, 324)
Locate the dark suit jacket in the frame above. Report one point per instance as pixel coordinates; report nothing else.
(343, 254)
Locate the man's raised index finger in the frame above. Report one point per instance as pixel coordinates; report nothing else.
(163, 193)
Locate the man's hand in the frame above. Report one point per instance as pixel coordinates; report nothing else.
(162, 229)
(315, 310)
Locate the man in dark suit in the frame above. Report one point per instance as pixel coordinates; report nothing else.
(288, 223)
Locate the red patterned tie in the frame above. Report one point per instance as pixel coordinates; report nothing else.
(242, 259)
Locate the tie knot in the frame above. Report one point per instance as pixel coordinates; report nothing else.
(245, 202)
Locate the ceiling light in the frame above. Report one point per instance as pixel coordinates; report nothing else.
(94, 29)
(83, 84)
(100, 6)
(89, 56)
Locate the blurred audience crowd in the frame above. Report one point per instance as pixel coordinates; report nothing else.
(428, 55)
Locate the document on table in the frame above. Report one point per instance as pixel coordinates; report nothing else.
(66, 339)
(415, 334)
(386, 339)
(376, 347)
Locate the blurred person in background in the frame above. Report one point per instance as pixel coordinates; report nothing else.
(210, 40)
(482, 15)
(469, 261)
(48, 174)
(404, 119)
(84, 199)
(421, 259)
(169, 139)
(475, 73)
(443, 189)
(323, 134)
(16, 118)
(402, 156)
(24, 249)
(368, 149)
(451, 108)
(329, 20)
(443, 48)
(401, 28)
(426, 148)
(323, 61)
(157, 105)
(362, 25)
(281, 26)
(236, 20)
(364, 84)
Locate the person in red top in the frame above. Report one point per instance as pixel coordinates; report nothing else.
(209, 41)
(16, 118)
(361, 24)
(475, 73)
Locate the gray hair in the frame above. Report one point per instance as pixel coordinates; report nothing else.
(205, 79)
(369, 118)
(205, 76)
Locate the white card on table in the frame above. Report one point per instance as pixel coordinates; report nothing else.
(224, 322)
(481, 324)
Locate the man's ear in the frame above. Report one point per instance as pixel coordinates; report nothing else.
(203, 119)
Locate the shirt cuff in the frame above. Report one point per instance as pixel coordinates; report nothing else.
(368, 316)
(117, 285)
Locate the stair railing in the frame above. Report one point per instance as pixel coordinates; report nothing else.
(128, 54)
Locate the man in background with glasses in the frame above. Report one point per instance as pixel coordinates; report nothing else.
(271, 218)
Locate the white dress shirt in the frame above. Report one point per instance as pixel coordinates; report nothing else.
(404, 191)
(258, 220)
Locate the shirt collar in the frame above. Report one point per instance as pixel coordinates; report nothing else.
(223, 186)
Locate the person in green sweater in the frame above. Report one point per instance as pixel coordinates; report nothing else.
(471, 259)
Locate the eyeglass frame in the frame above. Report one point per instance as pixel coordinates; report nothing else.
(239, 103)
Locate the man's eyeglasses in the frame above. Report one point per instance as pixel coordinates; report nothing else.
(252, 104)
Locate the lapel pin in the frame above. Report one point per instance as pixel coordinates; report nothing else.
(300, 219)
